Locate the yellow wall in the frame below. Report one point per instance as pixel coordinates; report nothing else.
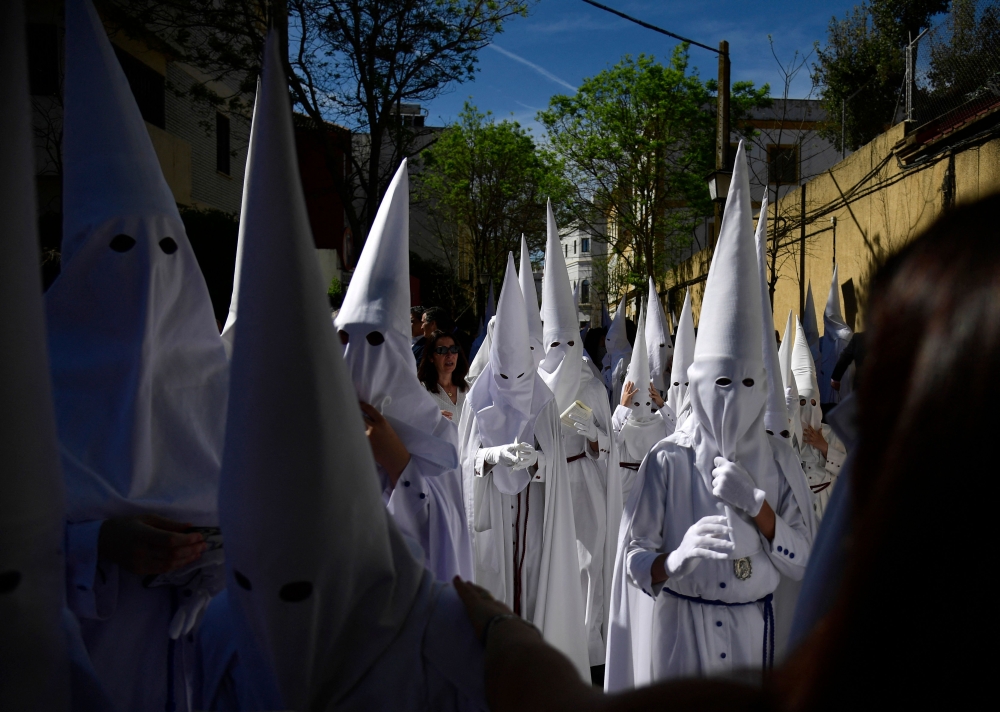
(175, 160)
(878, 205)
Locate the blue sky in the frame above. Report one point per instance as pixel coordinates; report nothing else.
(562, 41)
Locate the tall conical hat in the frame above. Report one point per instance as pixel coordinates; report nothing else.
(139, 373)
(319, 579)
(785, 350)
(530, 295)
(510, 379)
(658, 342)
(229, 330)
(677, 395)
(34, 667)
(641, 406)
(563, 362)
(728, 382)
(374, 321)
(379, 292)
(836, 335)
(616, 342)
(605, 316)
(803, 367)
(776, 413)
(809, 324)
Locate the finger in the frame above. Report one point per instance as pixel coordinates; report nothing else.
(720, 461)
(371, 412)
(714, 519)
(717, 530)
(709, 542)
(707, 554)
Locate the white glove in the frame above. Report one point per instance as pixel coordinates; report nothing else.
(734, 486)
(705, 539)
(196, 584)
(516, 456)
(585, 426)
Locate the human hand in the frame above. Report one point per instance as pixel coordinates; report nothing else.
(705, 539)
(149, 544)
(585, 426)
(516, 456)
(835, 385)
(447, 414)
(812, 436)
(479, 604)
(387, 448)
(734, 486)
(628, 390)
(655, 395)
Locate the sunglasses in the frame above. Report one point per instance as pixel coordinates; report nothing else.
(442, 350)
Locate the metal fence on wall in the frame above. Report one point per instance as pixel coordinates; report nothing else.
(954, 74)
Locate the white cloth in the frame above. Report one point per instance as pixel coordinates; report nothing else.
(326, 592)
(445, 404)
(677, 396)
(836, 335)
(374, 330)
(619, 353)
(546, 574)
(635, 440)
(687, 639)
(139, 373)
(821, 472)
(597, 507)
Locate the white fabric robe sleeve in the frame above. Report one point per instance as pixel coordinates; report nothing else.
(789, 550)
(836, 453)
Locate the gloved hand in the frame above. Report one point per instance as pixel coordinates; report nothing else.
(196, 584)
(734, 486)
(586, 426)
(705, 539)
(516, 456)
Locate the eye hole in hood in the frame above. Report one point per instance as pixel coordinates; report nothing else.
(375, 338)
(722, 382)
(296, 591)
(122, 243)
(168, 245)
(344, 337)
(242, 580)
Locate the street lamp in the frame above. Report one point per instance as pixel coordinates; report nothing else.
(718, 185)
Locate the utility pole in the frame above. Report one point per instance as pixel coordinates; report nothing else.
(721, 130)
(802, 253)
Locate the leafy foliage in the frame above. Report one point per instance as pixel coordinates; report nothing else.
(484, 183)
(638, 140)
(350, 62)
(862, 67)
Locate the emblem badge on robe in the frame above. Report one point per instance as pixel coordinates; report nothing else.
(742, 568)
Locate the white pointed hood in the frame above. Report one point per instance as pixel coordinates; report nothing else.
(34, 667)
(836, 335)
(641, 407)
(530, 295)
(139, 373)
(809, 324)
(562, 365)
(320, 580)
(658, 342)
(379, 292)
(677, 395)
(229, 330)
(502, 395)
(616, 341)
(804, 371)
(729, 340)
(374, 319)
(791, 390)
(776, 413)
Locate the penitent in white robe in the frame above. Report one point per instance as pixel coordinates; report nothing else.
(696, 639)
(597, 506)
(822, 472)
(524, 540)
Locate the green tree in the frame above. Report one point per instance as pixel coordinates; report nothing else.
(483, 184)
(861, 69)
(637, 141)
(965, 63)
(351, 62)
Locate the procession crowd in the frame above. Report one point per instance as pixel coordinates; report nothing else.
(299, 514)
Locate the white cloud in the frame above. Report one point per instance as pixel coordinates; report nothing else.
(541, 70)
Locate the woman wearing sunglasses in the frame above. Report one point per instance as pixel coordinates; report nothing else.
(442, 371)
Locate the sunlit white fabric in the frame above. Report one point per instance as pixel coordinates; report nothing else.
(804, 371)
(560, 369)
(836, 335)
(776, 412)
(530, 295)
(619, 353)
(677, 396)
(658, 342)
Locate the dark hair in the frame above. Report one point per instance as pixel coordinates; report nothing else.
(437, 315)
(417, 311)
(906, 621)
(427, 372)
